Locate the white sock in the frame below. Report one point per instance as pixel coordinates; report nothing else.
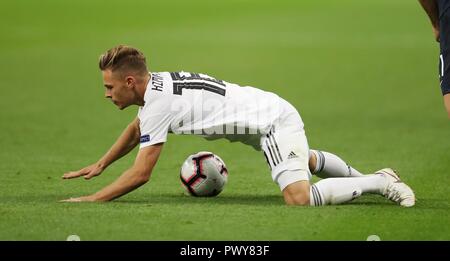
(329, 165)
(337, 190)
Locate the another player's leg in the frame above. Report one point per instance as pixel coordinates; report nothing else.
(327, 165)
(444, 58)
(447, 103)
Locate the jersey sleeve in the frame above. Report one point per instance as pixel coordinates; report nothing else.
(154, 127)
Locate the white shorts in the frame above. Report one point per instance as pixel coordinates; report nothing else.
(286, 148)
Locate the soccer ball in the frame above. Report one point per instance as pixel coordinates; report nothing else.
(203, 174)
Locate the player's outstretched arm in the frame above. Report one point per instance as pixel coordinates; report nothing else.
(431, 8)
(124, 144)
(131, 179)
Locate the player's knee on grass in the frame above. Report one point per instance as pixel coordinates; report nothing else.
(297, 193)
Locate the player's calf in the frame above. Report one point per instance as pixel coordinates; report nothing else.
(328, 165)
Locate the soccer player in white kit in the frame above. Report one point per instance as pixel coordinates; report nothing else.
(193, 103)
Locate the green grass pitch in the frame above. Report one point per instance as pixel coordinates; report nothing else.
(363, 75)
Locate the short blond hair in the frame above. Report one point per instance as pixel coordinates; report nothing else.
(123, 58)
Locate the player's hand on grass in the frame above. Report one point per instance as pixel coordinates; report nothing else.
(88, 172)
(80, 199)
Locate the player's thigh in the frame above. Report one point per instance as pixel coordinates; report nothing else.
(287, 153)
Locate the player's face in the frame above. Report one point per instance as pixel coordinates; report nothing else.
(118, 89)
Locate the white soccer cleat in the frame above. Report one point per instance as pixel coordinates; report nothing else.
(396, 190)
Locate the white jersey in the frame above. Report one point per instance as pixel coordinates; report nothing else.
(192, 103)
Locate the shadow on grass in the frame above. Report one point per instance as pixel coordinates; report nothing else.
(276, 200)
(180, 199)
(239, 199)
(143, 199)
(421, 204)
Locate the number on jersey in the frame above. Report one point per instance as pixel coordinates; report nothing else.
(195, 81)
